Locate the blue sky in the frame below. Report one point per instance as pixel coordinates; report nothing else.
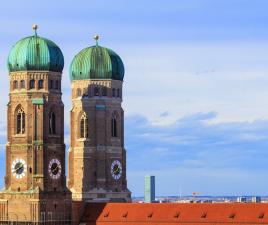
(195, 89)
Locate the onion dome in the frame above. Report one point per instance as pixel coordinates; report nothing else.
(35, 53)
(96, 62)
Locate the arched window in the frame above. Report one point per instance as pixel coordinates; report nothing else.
(89, 92)
(51, 84)
(104, 91)
(32, 85)
(20, 121)
(52, 123)
(113, 92)
(84, 126)
(57, 86)
(114, 127)
(85, 92)
(96, 91)
(40, 84)
(22, 84)
(118, 92)
(78, 92)
(15, 84)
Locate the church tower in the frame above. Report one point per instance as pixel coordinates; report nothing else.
(35, 186)
(97, 157)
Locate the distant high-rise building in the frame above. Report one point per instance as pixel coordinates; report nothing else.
(149, 189)
(241, 199)
(256, 199)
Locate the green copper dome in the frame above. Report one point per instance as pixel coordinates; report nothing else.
(97, 62)
(35, 53)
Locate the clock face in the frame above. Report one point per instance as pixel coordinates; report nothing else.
(116, 169)
(19, 168)
(54, 168)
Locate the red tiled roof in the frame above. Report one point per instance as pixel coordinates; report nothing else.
(175, 213)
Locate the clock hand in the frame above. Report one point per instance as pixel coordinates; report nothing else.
(55, 168)
(117, 170)
(21, 166)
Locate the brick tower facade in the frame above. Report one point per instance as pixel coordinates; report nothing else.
(97, 157)
(35, 186)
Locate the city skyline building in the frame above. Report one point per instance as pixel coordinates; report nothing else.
(35, 189)
(149, 188)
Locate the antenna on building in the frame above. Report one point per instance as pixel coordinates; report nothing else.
(96, 38)
(35, 27)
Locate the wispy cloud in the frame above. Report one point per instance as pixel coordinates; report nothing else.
(192, 148)
(203, 62)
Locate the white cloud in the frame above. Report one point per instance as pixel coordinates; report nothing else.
(165, 79)
(216, 159)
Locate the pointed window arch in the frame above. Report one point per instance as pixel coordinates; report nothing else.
(84, 126)
(20, 119)
(114, 126)
(52, 123)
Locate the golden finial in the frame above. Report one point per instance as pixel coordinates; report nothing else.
(96, 38)
(35, 27)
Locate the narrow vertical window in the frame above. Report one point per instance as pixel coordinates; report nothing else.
(20, 121)
(85, 92)
(113, 92)
(40, 84)
(57, 86)
(51, 84)
(104, 91)
(118, 92)
(15, 84)
(32, 85)
(84, 126)
(52, 123)
(114, 127)
(78, 92)
(22, 84)
(96, 91)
